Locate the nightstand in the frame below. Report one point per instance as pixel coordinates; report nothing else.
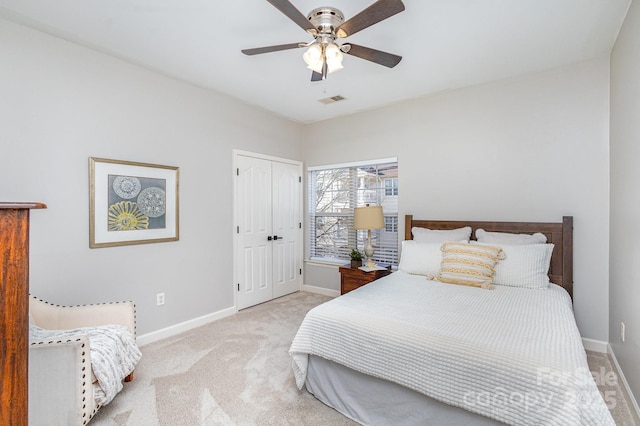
(352, 278)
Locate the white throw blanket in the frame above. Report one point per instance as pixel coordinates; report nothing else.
(113, 349)
(511, 354)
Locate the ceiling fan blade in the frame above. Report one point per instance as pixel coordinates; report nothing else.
(379, 57)
(294, 14)
(267, 49)
(378, 11)
(316, 76)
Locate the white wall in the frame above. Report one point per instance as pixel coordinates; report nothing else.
(533, 148)
(59, 105)
(624, 257)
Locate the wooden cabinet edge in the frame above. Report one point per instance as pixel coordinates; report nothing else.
(14, 286)
(21, 205)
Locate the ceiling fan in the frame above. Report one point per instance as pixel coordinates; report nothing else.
(326, 25)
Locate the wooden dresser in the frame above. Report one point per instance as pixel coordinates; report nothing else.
(14, 326)
(352, 278)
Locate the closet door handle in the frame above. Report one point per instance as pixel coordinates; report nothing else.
(275, 237)
(269, 238)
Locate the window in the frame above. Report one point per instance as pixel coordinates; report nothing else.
(391, 223)
(391, 186)
(334, 191)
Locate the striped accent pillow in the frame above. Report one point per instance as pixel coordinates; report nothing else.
(467, 264)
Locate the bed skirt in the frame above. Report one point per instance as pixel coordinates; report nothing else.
(372, 401)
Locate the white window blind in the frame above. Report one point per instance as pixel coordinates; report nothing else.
(334, 191)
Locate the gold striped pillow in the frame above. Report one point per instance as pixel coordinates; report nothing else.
(466, 264)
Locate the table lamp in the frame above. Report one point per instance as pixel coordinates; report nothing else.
(369, 217)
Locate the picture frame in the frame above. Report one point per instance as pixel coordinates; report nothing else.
(132, 203)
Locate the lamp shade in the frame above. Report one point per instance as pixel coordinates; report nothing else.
(369, 217)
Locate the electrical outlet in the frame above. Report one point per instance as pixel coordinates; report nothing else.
(159, 299)
(622, 330)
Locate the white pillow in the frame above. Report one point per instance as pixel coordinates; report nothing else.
(420, 258)
(507, 238)
(525, 266)
(425, 235)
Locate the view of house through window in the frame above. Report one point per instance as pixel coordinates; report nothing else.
(391, 186)
(334, 191)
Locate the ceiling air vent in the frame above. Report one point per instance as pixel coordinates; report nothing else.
(332, 99)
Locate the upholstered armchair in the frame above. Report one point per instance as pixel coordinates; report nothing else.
(62, 382)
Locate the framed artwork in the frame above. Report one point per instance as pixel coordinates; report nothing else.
(131, 203)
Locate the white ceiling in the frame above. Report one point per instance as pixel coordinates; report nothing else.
(445, 44)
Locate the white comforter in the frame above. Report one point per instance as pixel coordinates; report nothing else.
(113, 349)
(511, 354)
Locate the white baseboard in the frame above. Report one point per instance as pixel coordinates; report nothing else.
(595, 345)
(321, 290)
(173, 330)
(635, 408)
(154, 336)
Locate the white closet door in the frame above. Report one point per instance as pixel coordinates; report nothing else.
(254, 218)
(287, 248)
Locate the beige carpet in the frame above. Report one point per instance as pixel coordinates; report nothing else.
(237, 371)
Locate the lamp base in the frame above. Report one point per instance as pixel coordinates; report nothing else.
(368, 251)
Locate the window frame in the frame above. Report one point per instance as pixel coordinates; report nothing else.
(359, 193)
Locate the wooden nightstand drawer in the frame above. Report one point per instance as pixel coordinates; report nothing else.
(353, 278)
(351, 283)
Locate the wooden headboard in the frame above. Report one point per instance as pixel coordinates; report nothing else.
(558, 233)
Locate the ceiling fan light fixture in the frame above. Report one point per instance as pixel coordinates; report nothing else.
(333, 57)
(326, 24)
(317, 67)
(314, 57)
(319, 54)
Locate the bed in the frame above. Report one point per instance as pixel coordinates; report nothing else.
(407, 349)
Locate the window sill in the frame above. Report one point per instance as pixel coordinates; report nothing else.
(325, 263)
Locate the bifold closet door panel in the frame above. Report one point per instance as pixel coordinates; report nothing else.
(254, 256)
(287, 226)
